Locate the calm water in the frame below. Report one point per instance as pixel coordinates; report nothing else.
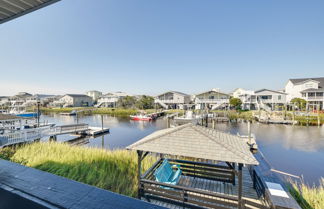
(296, 150)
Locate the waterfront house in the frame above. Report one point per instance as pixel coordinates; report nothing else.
(173, 100)
(76, 100)
(212, 99)
(270, 99)
(95, 95)
(4, 101)
(310, 89)
(247, 97)
(111, 99)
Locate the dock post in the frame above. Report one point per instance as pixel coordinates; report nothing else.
(240, 186)
(249, 132)
(318, 116)
(294, 113)
(213, 123)
(168, 122)
(139, 155)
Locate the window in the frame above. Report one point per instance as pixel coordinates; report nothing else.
(303, 94)
(311, 94)
(211, 97)
(279, 97)
(319, 94)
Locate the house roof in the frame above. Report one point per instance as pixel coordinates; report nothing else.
(278, 92)
(313, 90)
(198, 142)
(12, 9)
(213, 90)
(77, 95)
(9, 117)
(303, 80)
(175, 92)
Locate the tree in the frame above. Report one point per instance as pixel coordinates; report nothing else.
(126, 102)
(145, 102)
(236, 103)
(299, 102)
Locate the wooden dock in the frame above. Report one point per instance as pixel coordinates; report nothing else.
(93, 131)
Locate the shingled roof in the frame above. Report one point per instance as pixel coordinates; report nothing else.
(198, 142)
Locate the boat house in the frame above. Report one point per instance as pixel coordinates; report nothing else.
(212, 168)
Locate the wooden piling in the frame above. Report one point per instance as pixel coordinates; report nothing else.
(318, 116)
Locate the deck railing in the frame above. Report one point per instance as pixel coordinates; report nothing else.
(186, 196)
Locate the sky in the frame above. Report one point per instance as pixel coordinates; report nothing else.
(152, 46)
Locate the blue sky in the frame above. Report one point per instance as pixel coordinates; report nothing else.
(150, 46)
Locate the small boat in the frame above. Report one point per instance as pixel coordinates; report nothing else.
(73, 112)
(141, 117)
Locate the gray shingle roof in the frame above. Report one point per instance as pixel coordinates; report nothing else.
(300, 80)
(198, 142)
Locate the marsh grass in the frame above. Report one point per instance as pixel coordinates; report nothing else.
(308, 197)
(111, 170)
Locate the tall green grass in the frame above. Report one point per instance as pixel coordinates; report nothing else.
(111, 170)
(308, 197)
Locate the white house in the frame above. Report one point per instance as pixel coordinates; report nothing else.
(111, 99)
(270, 99)
(173, 100)
(212, 99)
(248, 98)
(310, 89)
(4, 101)
(76, 100)
(95, 95)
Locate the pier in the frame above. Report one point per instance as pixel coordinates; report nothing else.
(34, 134)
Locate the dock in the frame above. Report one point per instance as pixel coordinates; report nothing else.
(34, 134)
(93, 131)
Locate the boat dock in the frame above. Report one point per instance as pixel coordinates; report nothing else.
(34, 134)
(94, 131)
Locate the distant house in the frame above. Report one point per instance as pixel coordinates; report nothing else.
(95, 95)
(111, 99)
(4, 101)
(310, 89)
(270, 99)
(173, 100)
(212, 99)
(247, 97)
(76, 100)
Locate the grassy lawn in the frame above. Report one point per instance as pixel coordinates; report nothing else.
(111, 170)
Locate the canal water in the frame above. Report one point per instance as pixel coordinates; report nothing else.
(297, 150)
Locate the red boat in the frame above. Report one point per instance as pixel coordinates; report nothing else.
(141, 117)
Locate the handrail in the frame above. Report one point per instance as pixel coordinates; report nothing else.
(233, 198)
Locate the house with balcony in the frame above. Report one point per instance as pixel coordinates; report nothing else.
(270, 99)
(212, 99)
(111, 99)
(173, 100)
(310, 89)
(95, 95)
(248, 98)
